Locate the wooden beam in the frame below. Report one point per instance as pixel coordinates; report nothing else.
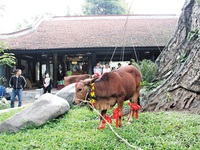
(64, 66)
(40, 76)
(90, 66)
(55, 69)
(47, 64)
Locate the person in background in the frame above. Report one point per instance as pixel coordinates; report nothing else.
(47, 84)
(106, 68)
(18, 83)
(131, 62)
(113, 68)
(98, 69)
(119, 65)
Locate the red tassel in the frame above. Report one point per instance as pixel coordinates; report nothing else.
(135, 108)
(103, 123)
(97, 74)
(116, 115)
(94, 104)
(102, 126)
(108, 119)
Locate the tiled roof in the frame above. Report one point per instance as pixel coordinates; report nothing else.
(99, 31)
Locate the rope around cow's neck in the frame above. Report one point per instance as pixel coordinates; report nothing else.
(124, 140)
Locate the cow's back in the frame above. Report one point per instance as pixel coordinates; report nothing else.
(119, 82)
(130, 73)
(131, 78)
(75, 78)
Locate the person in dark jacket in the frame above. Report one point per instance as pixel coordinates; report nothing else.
(17, 82)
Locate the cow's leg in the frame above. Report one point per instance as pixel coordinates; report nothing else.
(130, 118)
(101, 124)
(133, 100)
(120, 103)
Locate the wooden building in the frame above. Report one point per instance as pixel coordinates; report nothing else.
(59, 44)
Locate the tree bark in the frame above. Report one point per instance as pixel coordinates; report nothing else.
(179, 67)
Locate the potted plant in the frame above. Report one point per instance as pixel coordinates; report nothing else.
(69, 73)
(6, 59)
(60, 84)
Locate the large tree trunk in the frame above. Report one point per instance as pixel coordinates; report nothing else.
(179, 66)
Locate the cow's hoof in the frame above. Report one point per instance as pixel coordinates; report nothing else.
(129, 122)
(120, 126)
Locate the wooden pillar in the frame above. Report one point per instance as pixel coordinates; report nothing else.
(7, 74)
(153, 57)
(41, 78)
(64, 65)
(33, 72)
(90, 68)
(94, 60)
(67, 65)
(18, 64)
(55, 69)
(47, 64)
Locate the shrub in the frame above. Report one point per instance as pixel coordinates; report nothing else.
(147, 69)
(6, 58)
(4, 106)
(135, 64)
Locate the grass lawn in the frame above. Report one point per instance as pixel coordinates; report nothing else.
(78, 130)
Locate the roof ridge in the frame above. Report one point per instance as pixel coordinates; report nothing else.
(23, 31)
(134, 16)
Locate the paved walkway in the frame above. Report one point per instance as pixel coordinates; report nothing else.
(30, 94)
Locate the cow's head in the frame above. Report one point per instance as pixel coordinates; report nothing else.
(82, 89)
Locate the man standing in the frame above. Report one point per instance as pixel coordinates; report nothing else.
(98, 69)
(17, 82)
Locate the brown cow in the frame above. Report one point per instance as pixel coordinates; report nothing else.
(75, 78)
(113, 87)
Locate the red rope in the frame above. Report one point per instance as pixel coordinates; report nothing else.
(135, 108)
(103, 123)
(116, 115)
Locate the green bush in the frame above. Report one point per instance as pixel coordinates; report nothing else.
(4, 106)
(147, 69)
(135, 64)
(69, 73)
(6, 58)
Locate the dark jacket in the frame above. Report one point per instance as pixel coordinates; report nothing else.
(17, 83)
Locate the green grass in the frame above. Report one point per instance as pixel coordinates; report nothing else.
(78, 130)
(4, 106)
